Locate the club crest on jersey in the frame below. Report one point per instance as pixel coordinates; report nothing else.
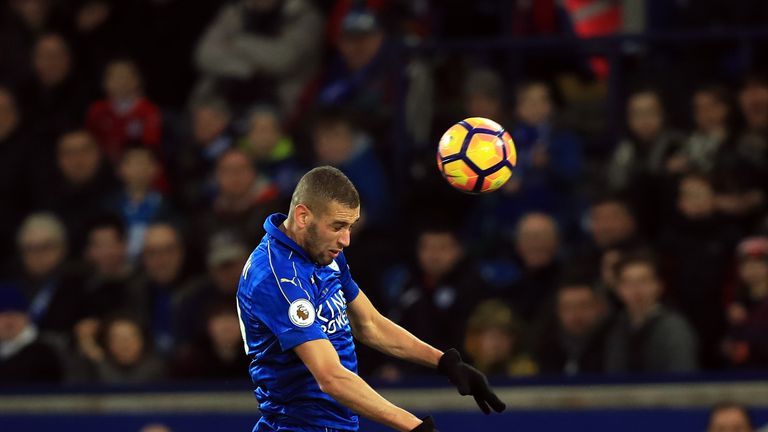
(302, 313)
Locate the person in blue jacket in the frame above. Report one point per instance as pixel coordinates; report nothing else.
(299, 309)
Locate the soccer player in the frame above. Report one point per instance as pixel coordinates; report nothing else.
(299, 309)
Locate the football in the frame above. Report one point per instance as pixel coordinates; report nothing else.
(476, 155)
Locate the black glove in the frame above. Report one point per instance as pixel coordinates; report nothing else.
(427, 425)
(469, 381)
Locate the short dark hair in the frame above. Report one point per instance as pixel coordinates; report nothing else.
(722, 406)
(329, 117)
(322, 185)
(755, 78)
(135, 146)
(719, 92)
(642, 257)
(108, 221)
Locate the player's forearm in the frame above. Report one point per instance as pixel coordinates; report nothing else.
(354, 393)
(391, 339)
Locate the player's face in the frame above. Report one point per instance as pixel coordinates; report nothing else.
(330, 231)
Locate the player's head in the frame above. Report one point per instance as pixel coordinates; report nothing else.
(324, 206)
(729, 417)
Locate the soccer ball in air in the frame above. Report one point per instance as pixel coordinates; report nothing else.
(476, 155)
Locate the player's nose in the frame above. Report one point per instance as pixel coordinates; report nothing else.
(345, 238)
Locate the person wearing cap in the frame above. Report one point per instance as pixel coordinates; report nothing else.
(362, 77)
(225, 258)
(494, 340)
(23, 357)
(747, 342)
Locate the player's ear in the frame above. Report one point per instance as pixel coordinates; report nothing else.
(302, 216)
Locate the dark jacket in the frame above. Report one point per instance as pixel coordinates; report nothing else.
(664, 343)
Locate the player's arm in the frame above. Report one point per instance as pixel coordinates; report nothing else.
(379, 332)
(346, 387)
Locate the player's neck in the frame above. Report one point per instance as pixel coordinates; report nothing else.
(289, 230)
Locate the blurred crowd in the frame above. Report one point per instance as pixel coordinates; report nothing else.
(142, 145)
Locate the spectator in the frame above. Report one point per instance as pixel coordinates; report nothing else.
(107, 288)
(53, 99)
(163, 283)
(138, 203)
(211, 137)
(548, 160)
(644, 153)
(21, 22)
(128, 355)
(271, 149)
(337, 142)
(643, 159)
(436, 299)
(747, 343)
(537, 246)
(611, 223)
(575, 341)
(51, 285)
(484, 95)
(712, 116)
(155, 427)
(244, 199)
(260, 51)
(23, 357)
(13, 163)
(362, 76)
(697, 248)
(219, 353)
(753, 101)
(647, 337)
(126, 115)
(225, 260)
(494, 339)
(730, 417)
(83, 186)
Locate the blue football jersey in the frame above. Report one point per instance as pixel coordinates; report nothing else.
(284, 299)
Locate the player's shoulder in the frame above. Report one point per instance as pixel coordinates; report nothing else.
(269, 258)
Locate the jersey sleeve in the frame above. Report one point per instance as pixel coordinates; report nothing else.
(285, 305)
(348, 285)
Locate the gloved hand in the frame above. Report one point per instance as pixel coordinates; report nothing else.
(427, 425)
(469, 381)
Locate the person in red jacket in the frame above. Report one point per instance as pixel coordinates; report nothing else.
(126, 115)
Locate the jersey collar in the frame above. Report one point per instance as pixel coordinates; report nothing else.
(272, 227)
